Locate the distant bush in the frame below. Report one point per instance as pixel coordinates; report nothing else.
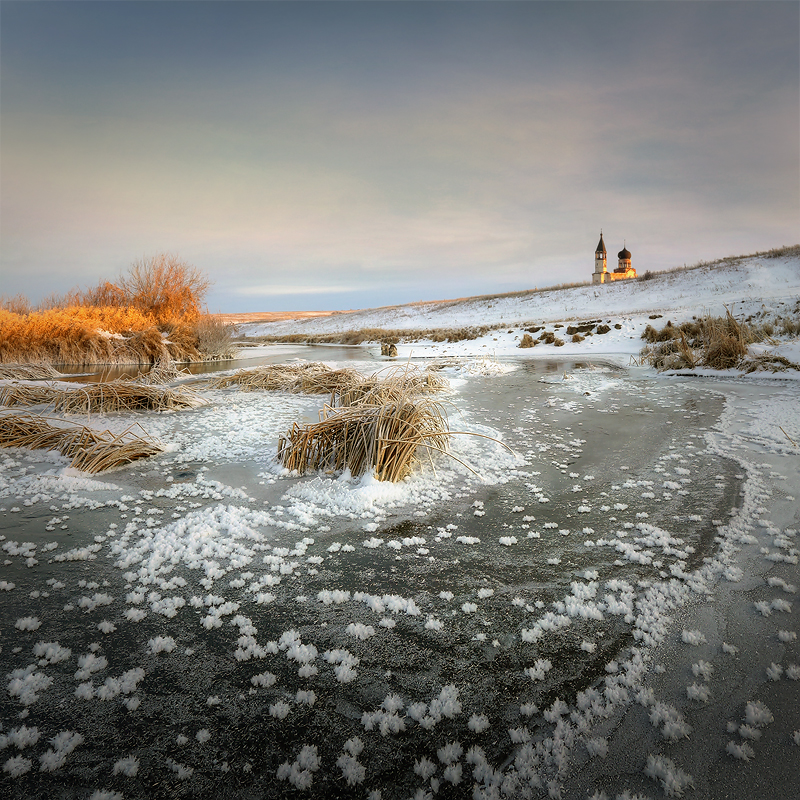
(527, 341)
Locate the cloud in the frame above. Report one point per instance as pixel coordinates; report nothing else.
(409, 147)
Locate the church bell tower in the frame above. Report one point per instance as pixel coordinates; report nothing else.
(600, 264)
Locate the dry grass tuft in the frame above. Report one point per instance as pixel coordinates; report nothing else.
(348, 385)
(384, 438)
(381, 424)
(725, 341)
(101, 397)
(29, 372)
(89, 450)
(714, 342)
(305, 378)
(769, 362)
(163, 372)
(391, 385)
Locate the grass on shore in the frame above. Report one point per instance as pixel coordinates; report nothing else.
(152, 314)
(718, 343)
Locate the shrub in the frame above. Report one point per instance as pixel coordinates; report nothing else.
(576, 337)
(214, 337)
(717, 343)
(165, 287)
(527, 341)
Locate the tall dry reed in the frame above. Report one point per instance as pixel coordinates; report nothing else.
(89, 450)
(385, 438)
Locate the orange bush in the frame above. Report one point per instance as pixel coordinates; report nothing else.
(113, 322)
(75, 335)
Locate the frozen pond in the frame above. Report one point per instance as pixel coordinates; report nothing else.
(202, 625)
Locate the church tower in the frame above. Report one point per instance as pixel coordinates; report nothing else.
(624, 257)
(600, 265)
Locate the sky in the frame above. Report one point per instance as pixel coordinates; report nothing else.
(337, 155)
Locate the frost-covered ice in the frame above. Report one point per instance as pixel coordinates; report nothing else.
(609, 607)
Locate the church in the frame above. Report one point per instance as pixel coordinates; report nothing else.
(623, 271)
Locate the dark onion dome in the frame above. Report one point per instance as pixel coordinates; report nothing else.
(624, 254)
(601, 247)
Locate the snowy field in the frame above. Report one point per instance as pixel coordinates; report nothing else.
(608, 608)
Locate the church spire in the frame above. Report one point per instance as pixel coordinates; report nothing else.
(601, 247)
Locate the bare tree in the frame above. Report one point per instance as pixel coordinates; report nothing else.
(165, 286)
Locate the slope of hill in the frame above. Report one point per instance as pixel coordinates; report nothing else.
(760, 289)
(748, 283)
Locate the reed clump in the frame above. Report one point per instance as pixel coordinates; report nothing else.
(713, 342)
(390, 385)
(348, 385)
(101, 397)
(384, 438)
(301, 378)
(29, 372)
(89, 450)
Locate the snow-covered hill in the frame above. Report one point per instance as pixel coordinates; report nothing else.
(748, 283)
(766, 287)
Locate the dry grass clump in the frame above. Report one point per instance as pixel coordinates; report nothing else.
(29, 372)
(89, 450)
(527, 341)
(305, 378)
(384, 438)
(26, 395)
(392, 385)
(101, 397)
(713, 342)
(725, 341)
(349, 385)
(769, 362)
(163, 372)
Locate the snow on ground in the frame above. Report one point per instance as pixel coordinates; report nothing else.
(608, 608)
(743, 287)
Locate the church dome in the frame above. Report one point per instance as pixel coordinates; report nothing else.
(624, 254)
